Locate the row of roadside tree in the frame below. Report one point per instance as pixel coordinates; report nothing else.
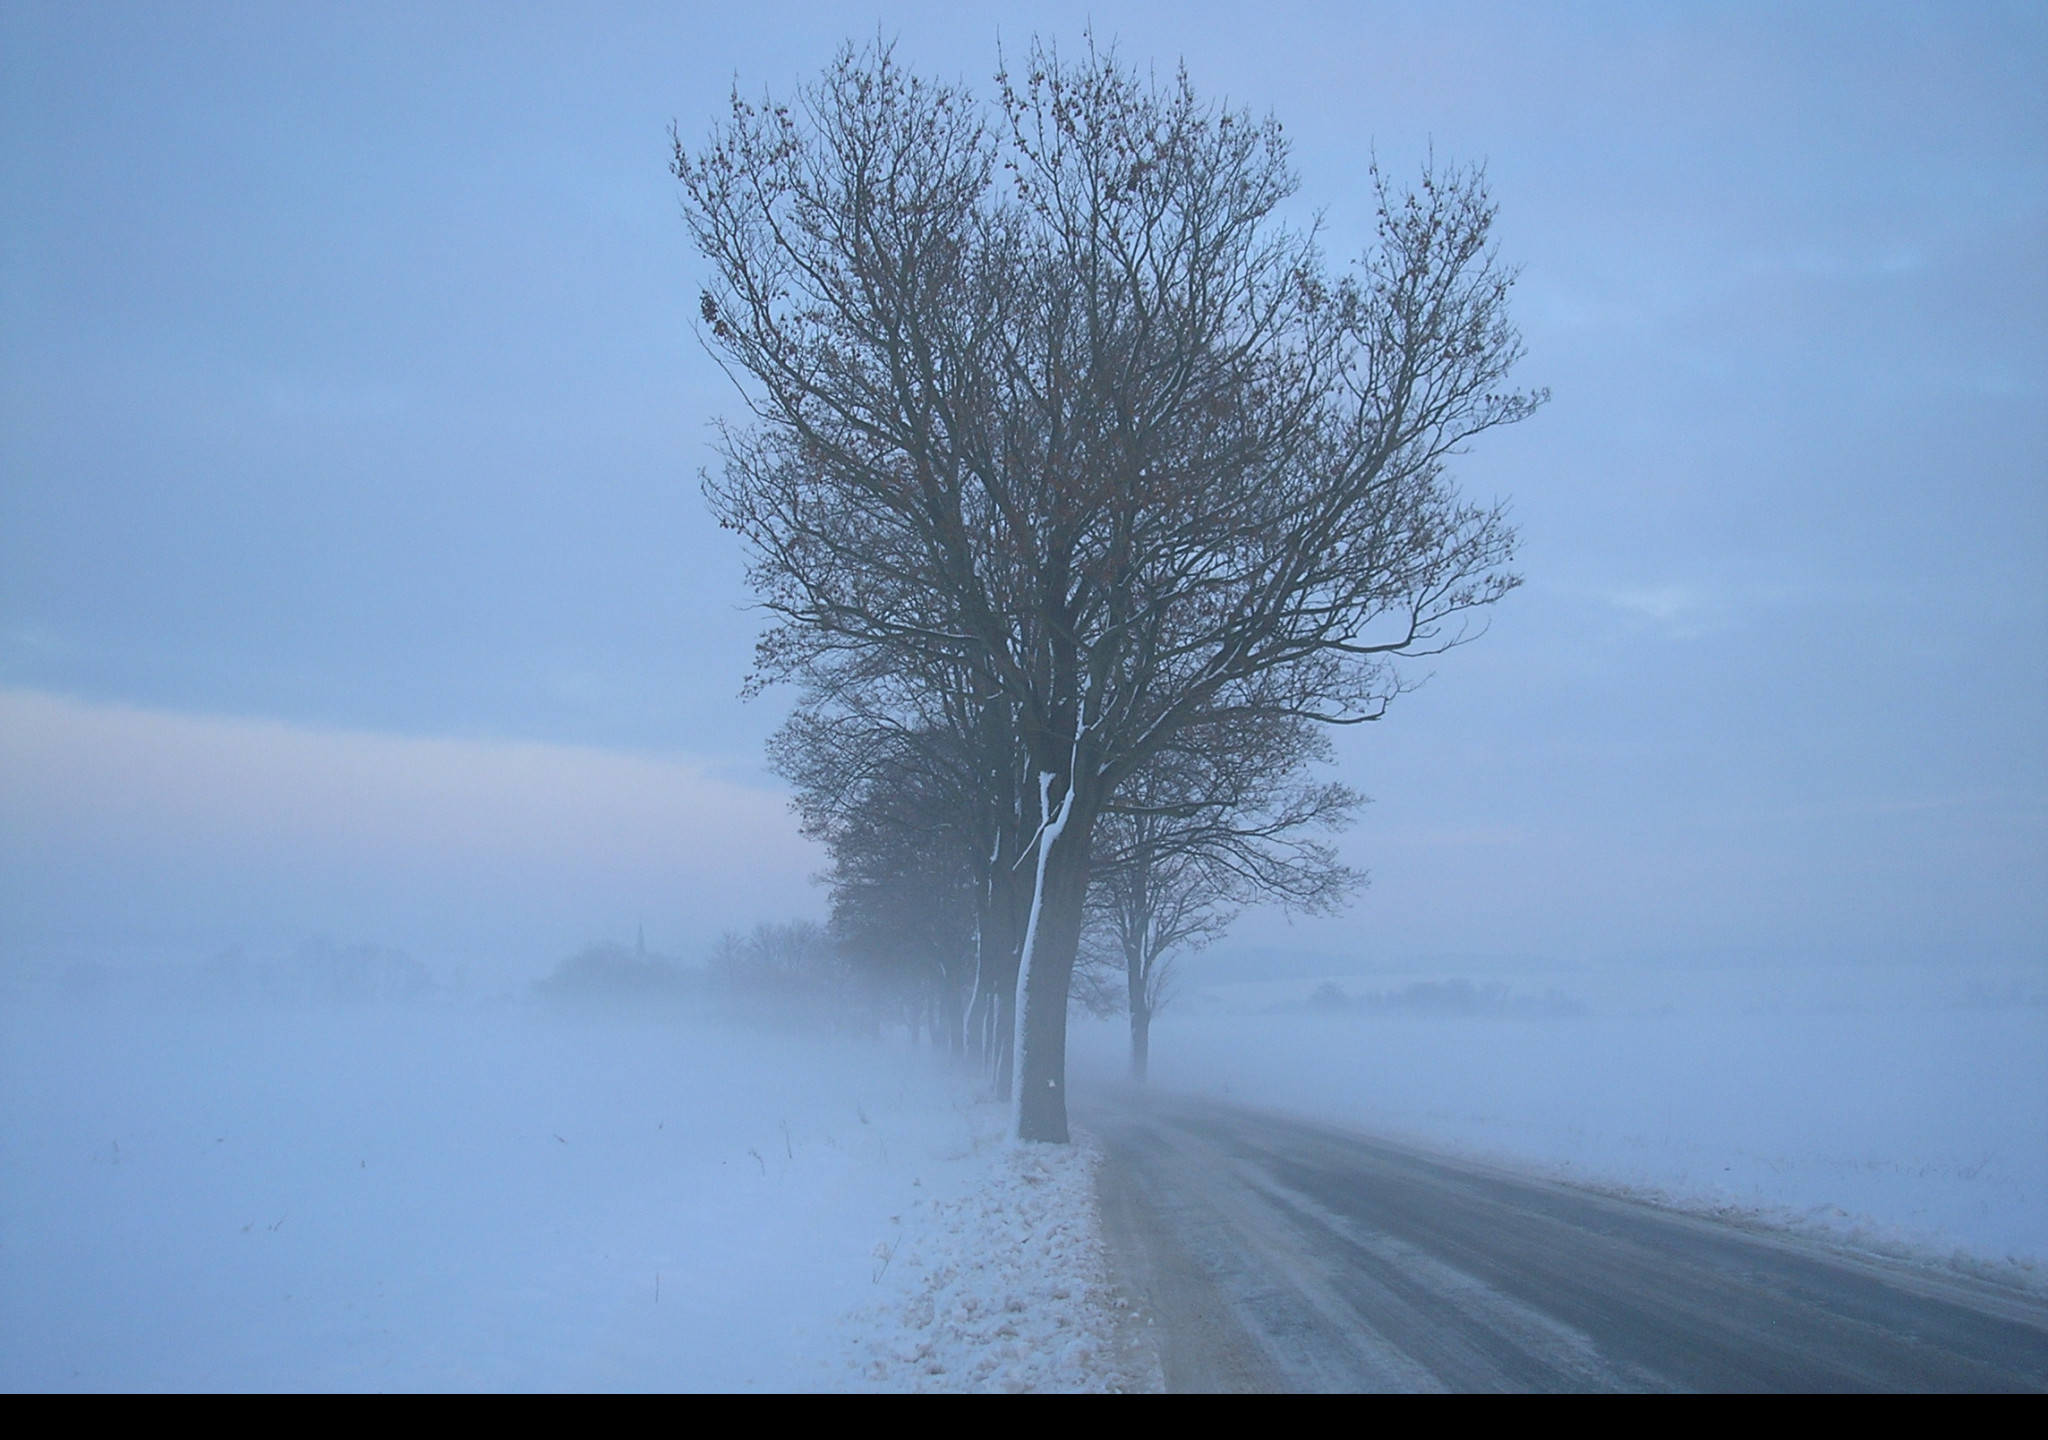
(1085, 496)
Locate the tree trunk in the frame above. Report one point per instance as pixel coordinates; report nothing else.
(1006, 900)
(1048, 976)
(1136, 990)
(950, 1003)
(1005, 1041)
(1001, 1012)
(981, 1008)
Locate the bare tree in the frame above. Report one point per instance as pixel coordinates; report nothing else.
(887, 768)
(791, 972)
(1047, 397)
(1143, 915)
(1208, 828)
(895, 809)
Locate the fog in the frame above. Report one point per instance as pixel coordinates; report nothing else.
(367, 652)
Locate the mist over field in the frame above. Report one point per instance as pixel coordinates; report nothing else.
(415, 975)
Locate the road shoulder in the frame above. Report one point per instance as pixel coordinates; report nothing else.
(1176, 1312)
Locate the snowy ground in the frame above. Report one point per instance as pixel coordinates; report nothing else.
(412, 1197)
(1906, 1111)
(1004, 1286)
(426, 1197)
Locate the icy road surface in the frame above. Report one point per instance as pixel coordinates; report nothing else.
(1280, 1255)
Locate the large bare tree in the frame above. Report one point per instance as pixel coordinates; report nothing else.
(1046, 396)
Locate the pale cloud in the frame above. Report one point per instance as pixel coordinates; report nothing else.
(1665, 603)
(1683, 612)
(1479, 836)
(30, 637)
(149, 822)
(1846, 262)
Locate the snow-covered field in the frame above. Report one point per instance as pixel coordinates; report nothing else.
(428, 1196)
(423, 1197)
(1904, 1110)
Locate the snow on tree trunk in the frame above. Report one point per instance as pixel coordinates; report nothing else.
(1042, 1061)
(1052, 939)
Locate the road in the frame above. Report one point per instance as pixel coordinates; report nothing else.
(1274, 1255)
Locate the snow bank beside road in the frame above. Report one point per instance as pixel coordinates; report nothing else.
(1003, 1286)
(411, 1198)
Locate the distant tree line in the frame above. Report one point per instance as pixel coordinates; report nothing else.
(1085, 496)
(795, 971)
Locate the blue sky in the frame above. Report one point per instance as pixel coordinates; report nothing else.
(347, 389)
